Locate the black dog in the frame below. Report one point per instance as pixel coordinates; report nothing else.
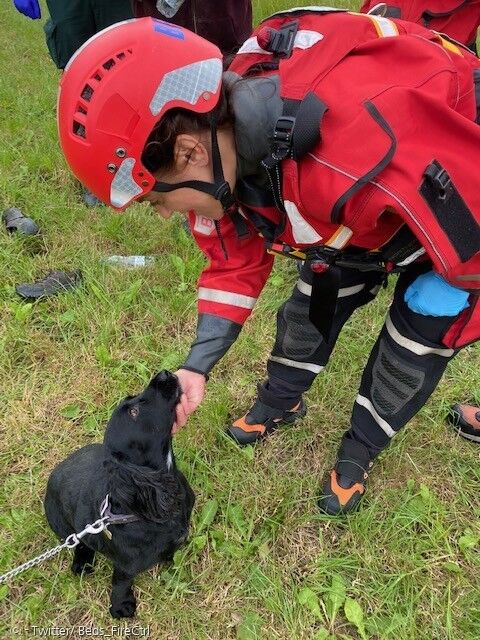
(149, 500)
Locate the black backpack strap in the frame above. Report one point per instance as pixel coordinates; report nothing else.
(295, 133)
(297, 130)
(308, 123)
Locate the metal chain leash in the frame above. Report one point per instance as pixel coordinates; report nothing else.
(70, 543)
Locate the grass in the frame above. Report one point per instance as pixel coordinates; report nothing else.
(262, 562)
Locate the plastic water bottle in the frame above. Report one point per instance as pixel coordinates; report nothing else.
(130, 262)
(169, 8)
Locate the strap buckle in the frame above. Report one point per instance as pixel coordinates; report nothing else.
(225, 196)
(282, 40)
(438, 178)
(327, 255)
(282, 137)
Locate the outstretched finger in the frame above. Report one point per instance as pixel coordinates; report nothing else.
(181, 418)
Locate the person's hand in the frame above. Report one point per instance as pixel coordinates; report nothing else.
(193, 390)
(29, 8)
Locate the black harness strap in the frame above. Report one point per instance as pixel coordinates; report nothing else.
(296, 131)
(323, 300)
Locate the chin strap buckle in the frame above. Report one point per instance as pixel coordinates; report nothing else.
(225, 196)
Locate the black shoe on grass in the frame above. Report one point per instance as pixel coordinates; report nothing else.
(15, 221)
(261, 420)
(90, 199)
(345, 486)
(53, 283)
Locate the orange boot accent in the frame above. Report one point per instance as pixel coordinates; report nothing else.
(260, 420)
(344, 495)
(242, 424)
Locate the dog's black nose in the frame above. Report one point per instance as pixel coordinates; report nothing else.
(163, 376)
(167, 384)
(165, 379)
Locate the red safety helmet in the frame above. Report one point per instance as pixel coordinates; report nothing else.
(115, 89)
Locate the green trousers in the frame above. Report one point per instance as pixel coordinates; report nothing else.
(73, 22)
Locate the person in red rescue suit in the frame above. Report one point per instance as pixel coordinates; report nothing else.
(358, 154)
(460, 20)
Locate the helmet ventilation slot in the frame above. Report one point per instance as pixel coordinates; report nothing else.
(87, 92)
(81, 112)
(79, 129)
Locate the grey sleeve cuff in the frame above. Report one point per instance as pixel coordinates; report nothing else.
(215, 336)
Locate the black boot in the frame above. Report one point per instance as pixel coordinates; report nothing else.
(345, 485)
(261, 420)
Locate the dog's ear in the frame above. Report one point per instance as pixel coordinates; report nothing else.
(153, 495)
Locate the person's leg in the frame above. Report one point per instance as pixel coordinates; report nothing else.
(403, 369)
(144, 8)
(299, 353)
(71, 24)
(227, 24)
(107, 12)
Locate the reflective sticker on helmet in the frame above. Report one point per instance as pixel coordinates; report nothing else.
(187, 83)
(168, 30)
(124, 188)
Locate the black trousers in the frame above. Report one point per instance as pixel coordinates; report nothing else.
(404, 367)
(73, 22)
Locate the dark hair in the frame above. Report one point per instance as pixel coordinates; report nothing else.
(158, 151)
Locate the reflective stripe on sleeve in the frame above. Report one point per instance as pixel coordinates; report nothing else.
(226, 297)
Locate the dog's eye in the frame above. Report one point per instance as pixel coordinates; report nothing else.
(134, 411)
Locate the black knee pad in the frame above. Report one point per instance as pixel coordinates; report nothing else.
(395, 380)
(297, 338)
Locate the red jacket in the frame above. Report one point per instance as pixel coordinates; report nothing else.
(459, 19)
(398, 98)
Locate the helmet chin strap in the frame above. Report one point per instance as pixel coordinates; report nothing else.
(219, 188)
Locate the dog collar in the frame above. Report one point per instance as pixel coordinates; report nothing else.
(115, 518)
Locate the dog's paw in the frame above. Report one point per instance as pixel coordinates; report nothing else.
(124, 609)
(81, 567)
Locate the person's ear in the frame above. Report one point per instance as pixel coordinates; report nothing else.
(190, 151)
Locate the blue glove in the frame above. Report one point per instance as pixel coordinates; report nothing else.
(431, 295)
(29, 8)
